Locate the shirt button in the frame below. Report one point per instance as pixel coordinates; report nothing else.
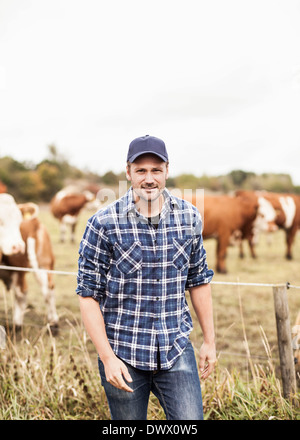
(157, 280)
(157, 298)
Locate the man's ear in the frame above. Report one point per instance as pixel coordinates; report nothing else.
(128, 176)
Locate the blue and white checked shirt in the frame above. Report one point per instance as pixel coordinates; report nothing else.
(139, 275)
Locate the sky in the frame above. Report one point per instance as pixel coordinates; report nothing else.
(218, 81)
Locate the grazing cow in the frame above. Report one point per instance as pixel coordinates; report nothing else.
(66, 206)
(38, 255)
(225, 217)
(286, 213)
(11, 241)
(287, 207)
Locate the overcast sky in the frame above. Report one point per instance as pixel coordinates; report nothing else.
(217, 80)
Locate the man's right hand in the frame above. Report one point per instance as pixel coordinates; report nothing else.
(115, 372)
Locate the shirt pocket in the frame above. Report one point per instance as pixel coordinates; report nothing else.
(181, 253)
(129, 257)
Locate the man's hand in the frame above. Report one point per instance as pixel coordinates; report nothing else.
(115, 372)
(202, 303)
(115, 369)
(207, 360)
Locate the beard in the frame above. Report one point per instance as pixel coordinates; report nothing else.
(148, 193)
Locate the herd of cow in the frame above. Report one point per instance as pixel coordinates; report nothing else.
(25, 241)
(246, 214)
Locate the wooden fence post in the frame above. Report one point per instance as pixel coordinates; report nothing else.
(2, 337)
(284, 341)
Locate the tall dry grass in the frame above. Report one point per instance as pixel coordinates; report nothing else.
(43, 380)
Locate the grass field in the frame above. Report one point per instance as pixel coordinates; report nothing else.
(55, 377)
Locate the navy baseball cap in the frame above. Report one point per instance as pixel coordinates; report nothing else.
(147, 144)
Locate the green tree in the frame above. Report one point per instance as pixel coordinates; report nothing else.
(239, 177)
(30, 186)
(52, 178)
(110, 178)
(186, 181)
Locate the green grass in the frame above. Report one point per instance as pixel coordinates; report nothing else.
(47, 377)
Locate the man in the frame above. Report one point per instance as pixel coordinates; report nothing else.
(137, 258)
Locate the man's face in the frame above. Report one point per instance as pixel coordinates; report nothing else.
(148, 175)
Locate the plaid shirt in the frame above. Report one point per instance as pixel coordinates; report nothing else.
(139, 274)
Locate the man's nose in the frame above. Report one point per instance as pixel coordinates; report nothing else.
(148, 178)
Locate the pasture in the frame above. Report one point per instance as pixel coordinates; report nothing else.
(45, 376)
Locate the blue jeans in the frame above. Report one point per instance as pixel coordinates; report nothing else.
(177, 389)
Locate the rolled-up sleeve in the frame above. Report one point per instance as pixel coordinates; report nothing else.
(198, 273)
(93, 262)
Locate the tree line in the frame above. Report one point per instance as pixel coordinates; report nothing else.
(39, 182)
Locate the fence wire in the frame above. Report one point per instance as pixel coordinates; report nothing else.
(229, 283)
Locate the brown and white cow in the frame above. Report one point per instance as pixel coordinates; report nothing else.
(286, 214)
(287, 207)
(225, 217)
(66, 206)
(11, 241)
(38, 255)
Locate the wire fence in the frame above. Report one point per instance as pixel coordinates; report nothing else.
(229, 283)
